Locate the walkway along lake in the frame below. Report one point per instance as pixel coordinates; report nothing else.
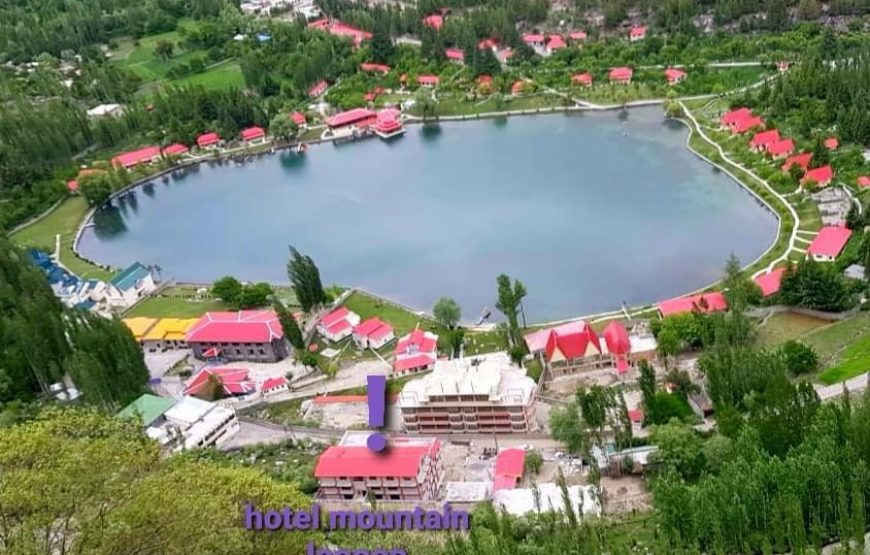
(588, 210)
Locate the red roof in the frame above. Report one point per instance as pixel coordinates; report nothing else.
(638, 31)
(340, 29)
(830, 241)
(350, 116)
(577, 35)
(714, 302)
(415, 361)
(673, 74)
(802, 160)
(417, 342)
(616, 338)
(434, 21)
(207, 139)
(635, 415)
(555, 42)
(318, 89)
(572, 344)
(745, 125)
(735, 116)
(487, 43)
(175, 149)
(335, 316)
(245, 326)
(252, 133)
(503, 482)
(821, 176)
(379, 68)
(337, 327)
(72, 185)
(455, 54)
(484, 80)
(864, 181)
(621, 74)
(374, 328)
(764, 138)
(781, 147)
(769, 283)
(428, 79)
(532, 38)
(582, 78)
(273, 383)
(134, 157)
(399, 461)
(831, 143)
(510, 462)
(518, 87)
(233, 380)
(298, 118)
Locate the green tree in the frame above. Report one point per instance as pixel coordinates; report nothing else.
(510, 298)
(254, 295)
(381, 44)
(533, 463)
(228, 289)
(283, 127)
(163, 50)
(96, 188)
(800, 358)
(305, 277)
(565, 426)
(289, 326)
(680, 449)
(447, 312)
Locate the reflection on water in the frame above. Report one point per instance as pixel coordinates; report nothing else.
(130, 200)
(148, 189)
(109, 222)
(291, 160)
(430, 131)
(500, 121)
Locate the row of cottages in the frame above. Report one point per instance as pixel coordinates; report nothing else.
(415, 352)
(411, 469)
(544, 45)
(254, 335)
(230, 382)
(160, 335)
(153, 154)
(740, 120)
(623, 75)
(338, 324)
(576, 347)
(484, 394)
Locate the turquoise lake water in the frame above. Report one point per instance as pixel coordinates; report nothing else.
(587, 210)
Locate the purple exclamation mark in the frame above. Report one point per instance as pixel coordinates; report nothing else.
(377, 393)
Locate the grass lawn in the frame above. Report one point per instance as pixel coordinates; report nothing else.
(781, 327)
(403, 321)
(175, 307)
(485, 342)
(225, 75)
(394, 386)
(832, 342)
(855, 361)
(63, 221)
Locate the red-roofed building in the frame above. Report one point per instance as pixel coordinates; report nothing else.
(831, 143)
(176, 149)
(428, 80)
(802, 160)
(518, 88)
(674, 75)
(72, 186)
(730, 119)
(318, 89)
(147, 155)
(509, 467)
(484, 82)
(340, 29)
(434, 21)
(233, 382)
(273, 386)
(584, 79)
(783, 65)
(781, 148)
(577, 36)
(416, 352)
(636, 33)
(535, 40)
(621, 75)
(411, 469)
(864, 181)
(358, 117)
(763, 139)
(245, 335)
(298, 118)
(555, 42)
(455, 55)
(371, 67)
(374, 333)
(373, 94)
(338, 324)
(747, 124)
(618, 346)
(705, 302)
(488, 44)
(388, 124)
(208, 140)
(576, 350)
(829, 243)
(254, 135)
(821, 177)
(770, 282)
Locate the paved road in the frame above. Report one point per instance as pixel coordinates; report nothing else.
(854, 385)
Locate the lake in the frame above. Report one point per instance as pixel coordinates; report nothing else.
(587, 210)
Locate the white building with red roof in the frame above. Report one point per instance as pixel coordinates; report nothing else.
(146, 155)
(781, 148)
(253, 135)
(821, 177)
(554, 43)
(254, 335)
(763, 139)
(357, 118)
(731, 118)
(509, 467)
(273, 386)
(704, 302)
(621, 75)
(233, 382)
(298, 118)
(577, 36)
(373, 333)
(770, 282)
(411, 469)
(573, 350)
(428, 80)
(338, 324)
(208, 140)
(175, 149)
(416, 352)
(832, 143)
(341, 29)
(829, 243)
(802, 160)
(455, 55)
(584, 79)
(674, 75)
(372, 67)
(747, 124)
(434, 21)
(318, 89)
(636, 33)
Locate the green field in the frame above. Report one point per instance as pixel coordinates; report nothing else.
(855, 361)
(485, 342)
(225, 75)
(779, 328)
(63, 221)
(183, 301)
(403, 321)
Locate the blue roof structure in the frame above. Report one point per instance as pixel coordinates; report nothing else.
(85, 305)
(128, 278)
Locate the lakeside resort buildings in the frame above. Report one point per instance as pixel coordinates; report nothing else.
(254, 335)
(410, 470)
(485, 394)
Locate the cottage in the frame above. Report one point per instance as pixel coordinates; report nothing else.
(194, 424)
(802, 160)
(829, 243)
(175, 149)
(370, 67)
(636, 33)
(747, 124)
(254, 335)
(428, 80)
(455, 55)
(129, 286)
(318, 89)
(273, 386)
(148, 409)
(704, 302)
(338, 324)
(416, 352)
(146, 155)
(584, 79)
(821, 177)
(484, 83)
(763, 139)
(509, 466)
(536, 41)
(674, 75)
(253, 135)
(621, 75)
(832, 143)
(554, 42)
(769, 282)
(358, 118)
(518, 88)
(233, 382)
(299, 119)
(372, 334)
(781, 148)
(340, 29)
(730, 119)
(577, 36)
(208, 140)
(434, 21)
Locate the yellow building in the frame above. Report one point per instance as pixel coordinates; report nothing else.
(168, 333)
(140, 326)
